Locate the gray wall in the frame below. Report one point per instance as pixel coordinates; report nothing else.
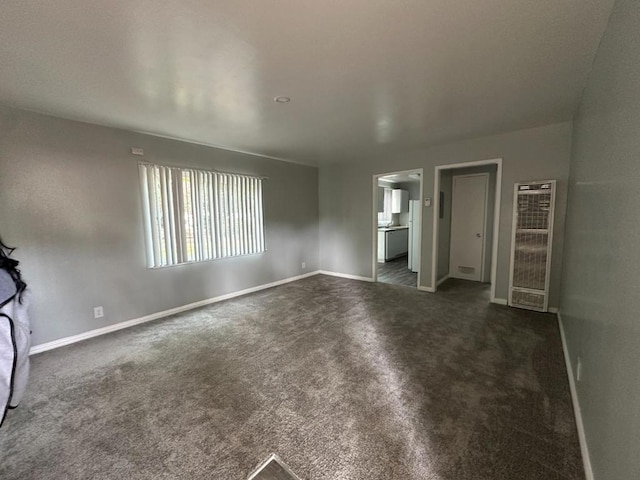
(444, 227)
(346, 197)
(413, 188)
(70, 203)
(601, 279)
(414, 194)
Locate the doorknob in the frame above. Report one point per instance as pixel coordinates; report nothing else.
(478, 235)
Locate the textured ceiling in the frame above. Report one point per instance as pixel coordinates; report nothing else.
(366, 77)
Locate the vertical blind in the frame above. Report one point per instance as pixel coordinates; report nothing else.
(193, 215)
(385, 217)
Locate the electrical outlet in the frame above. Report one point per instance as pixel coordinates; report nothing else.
(304, 265)
(579, 370)
(98, 312)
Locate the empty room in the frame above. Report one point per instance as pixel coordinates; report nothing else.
(280, 240)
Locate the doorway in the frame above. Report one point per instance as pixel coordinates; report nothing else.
(467, 251)
(397, 227)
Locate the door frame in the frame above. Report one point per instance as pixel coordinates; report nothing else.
(374, 256)
(496, 220)
(484, 222)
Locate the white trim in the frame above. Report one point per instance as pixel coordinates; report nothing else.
(374, 233)
(484, 227)
(421, 215)
(553, 310)
(61, 342)
(345, 275)
(552, 210)
(512, 250)
(496, 230)
(442, 280)
(588, 471)
(436, 228)
(499, 301)
(496, 219)
(426, 289)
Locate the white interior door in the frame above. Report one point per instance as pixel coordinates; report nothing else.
(468, 220)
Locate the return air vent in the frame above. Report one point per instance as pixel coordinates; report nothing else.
(527, 300)
(531, 244)
(467, 270)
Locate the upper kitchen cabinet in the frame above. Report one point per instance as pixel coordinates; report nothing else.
(380, 199)
(399, 201)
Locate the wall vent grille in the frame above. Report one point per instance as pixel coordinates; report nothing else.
(527, 300)
(531, 244)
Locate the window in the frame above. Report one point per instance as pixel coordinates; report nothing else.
(385, 218)
(195, 215)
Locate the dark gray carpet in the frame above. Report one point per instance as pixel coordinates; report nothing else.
(343, 379)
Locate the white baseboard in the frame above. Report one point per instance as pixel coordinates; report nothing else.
(442, 280)
(504, 301)
(576, 403)
(426, 289)
(345, 275)
(61, 342)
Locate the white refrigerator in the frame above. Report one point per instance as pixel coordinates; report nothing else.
(414, 235)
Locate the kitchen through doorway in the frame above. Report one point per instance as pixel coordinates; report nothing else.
(397, 231)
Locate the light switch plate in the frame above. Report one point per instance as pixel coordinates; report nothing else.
(427, 202)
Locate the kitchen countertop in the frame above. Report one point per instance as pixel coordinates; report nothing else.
(396, 227)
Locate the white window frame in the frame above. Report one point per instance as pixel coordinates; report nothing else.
(385, 217)
(193, 215)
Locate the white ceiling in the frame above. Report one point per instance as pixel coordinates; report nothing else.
(366, 77)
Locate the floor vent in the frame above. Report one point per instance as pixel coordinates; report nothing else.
(273, 469)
